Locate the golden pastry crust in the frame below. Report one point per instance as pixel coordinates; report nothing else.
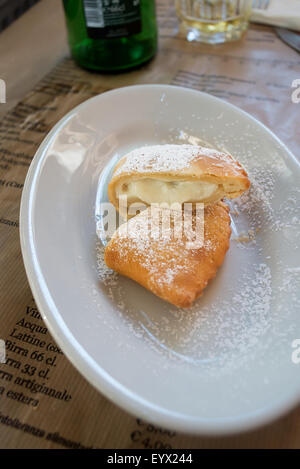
(216, 172)
(167, 266)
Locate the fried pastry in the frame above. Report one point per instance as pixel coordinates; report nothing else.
(176, 174)
(166, 262)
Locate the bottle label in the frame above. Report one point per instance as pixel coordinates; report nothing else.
(112, 18)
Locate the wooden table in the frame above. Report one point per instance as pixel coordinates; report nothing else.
(30, 48)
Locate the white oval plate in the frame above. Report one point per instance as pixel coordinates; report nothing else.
(224, 365)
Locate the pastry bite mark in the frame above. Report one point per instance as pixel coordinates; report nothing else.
(176, 174)
(167, 265)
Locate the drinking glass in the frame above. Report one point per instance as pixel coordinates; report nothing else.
(213, 21)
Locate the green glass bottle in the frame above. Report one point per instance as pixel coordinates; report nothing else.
(111, 35)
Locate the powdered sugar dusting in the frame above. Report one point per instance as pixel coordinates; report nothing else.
(254, 297)
(210, 333)
(166, 252)
(169, 158)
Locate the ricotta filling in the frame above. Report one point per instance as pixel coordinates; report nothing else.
(150, 190)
